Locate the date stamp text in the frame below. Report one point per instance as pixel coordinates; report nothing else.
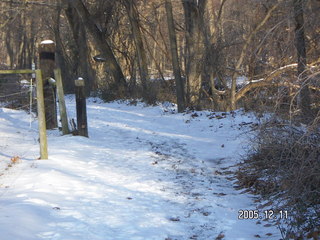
(266, 214)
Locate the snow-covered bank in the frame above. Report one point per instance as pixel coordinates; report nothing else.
(144, 173)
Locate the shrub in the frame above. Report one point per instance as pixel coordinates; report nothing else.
(284, 166)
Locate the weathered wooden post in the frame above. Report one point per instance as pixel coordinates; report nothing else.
(62, 103)
(47, 64)
(41, 117)
(81, 107)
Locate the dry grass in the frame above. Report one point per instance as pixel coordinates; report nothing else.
(284, 166)
(15, 160)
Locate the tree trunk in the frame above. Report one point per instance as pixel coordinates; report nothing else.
(142, 58)
(175, 58)
(82, 67)
(103, 46)
(10, 50)
(304, 94)
(194, 50)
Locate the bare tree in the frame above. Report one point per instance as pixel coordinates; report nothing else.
(193, 11)
(243, 54)
(103, 46)
(304, 95)
(175, 58)
(133, 15)
(81, 50)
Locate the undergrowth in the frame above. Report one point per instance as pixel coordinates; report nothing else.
(283, 166)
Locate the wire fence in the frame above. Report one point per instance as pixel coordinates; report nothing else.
(13, 94)
(17, 95)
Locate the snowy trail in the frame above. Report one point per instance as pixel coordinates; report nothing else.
(144, 173)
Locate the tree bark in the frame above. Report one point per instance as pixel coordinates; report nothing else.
(175, 58)
(194, 50)
(300, 43)
(133, 15)
(103, 46)
(82, 67)
(10, 50)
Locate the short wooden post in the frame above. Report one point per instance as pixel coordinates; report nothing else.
(81, 107)
(41, 117)
(47, 64)
(62, 103)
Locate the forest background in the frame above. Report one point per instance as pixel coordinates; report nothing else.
(201, 54)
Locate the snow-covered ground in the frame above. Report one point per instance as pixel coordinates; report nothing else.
(144, 173)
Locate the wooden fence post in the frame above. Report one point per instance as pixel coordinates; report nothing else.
(47, 64)
(41, 117)
(81, 107)
(62, 103)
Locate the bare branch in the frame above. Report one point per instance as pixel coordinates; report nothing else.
(264, 81)
(29, 3)
(244, 50)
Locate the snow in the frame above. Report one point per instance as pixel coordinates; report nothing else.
(24, 82)
(47, 42)
(143, 173)
(242, 80)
